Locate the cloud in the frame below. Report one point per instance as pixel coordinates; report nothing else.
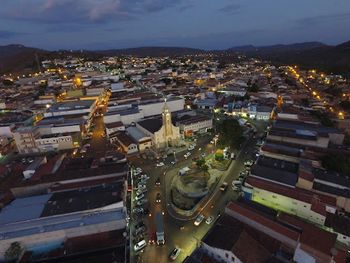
(82, 11)
(230, 9)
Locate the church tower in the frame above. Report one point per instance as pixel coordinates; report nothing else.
(167, 124)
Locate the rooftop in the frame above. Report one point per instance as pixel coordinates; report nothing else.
(276, 170)
(71, 105)
(152, 125)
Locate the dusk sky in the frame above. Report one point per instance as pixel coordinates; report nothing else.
(208, 24)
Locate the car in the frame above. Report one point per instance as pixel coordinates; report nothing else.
(158, 181)
(75, 151)
(140, 230)
(236, 185)
(141, 191)
(158, 198)
(173, 162)
(160, 164)
(152, 238)
(139, 224)
(83, 150)
(209, 220)
(248, 163)
(138, 169)
(141, 202)
(211, 142)
(137, 210)
(140, 245)
(199, 220)
(175, 253)
(203, 155)
(190, 148)
(137, 172)
(141, 186)
(144, 177)
(139, 197)
(223, 187)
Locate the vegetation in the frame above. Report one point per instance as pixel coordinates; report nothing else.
(337, 163)
(202, 165)
(323, 118)
(219, 155)
(231, 133)
(345, 105)
(13, 252)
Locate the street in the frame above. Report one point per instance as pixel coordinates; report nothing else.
(180, 231)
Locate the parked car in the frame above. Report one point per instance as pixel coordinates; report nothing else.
(139, 197)
(160, 164)
(141, 191)
(140, 245)
(144, 177)
(209, 220)
(175, 253)
(137, 210)
(199, 220)
(141, 186)
(248, 163)
(158, 181)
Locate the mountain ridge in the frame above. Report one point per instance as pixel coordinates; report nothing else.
(333, 58)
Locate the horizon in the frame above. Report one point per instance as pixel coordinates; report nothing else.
(119, 24)
(184, 47)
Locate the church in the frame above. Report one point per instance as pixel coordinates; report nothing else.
(162, 131)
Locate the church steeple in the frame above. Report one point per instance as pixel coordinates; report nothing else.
(167, 124)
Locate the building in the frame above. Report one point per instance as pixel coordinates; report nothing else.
(44, 223)
(256, 234)
(192, 124)
(125, 141)
(114, 127)
(162, 131)
(144, 142)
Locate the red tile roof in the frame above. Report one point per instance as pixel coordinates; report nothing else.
(307, 176)
(312, 236)
(273, 225)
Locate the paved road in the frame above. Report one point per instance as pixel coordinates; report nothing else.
(183, 233)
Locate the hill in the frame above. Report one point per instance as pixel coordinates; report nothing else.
(327, 58)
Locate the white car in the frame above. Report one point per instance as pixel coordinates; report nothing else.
(160, 164)
(209, 220)
(144, 177)
(175, 253)
(140, 245)
(199, 220)
(139, 197)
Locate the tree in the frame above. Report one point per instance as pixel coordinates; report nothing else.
(219, 155)
(200, 162)
(337, 163)
(231, 133)
(13, 252)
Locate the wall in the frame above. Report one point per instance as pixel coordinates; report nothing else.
(157, 108)
(320, 142)
(270, 232)
(288, 205)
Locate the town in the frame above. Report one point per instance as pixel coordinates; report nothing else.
(177, 158)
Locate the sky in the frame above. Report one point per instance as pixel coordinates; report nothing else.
(206, 24)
